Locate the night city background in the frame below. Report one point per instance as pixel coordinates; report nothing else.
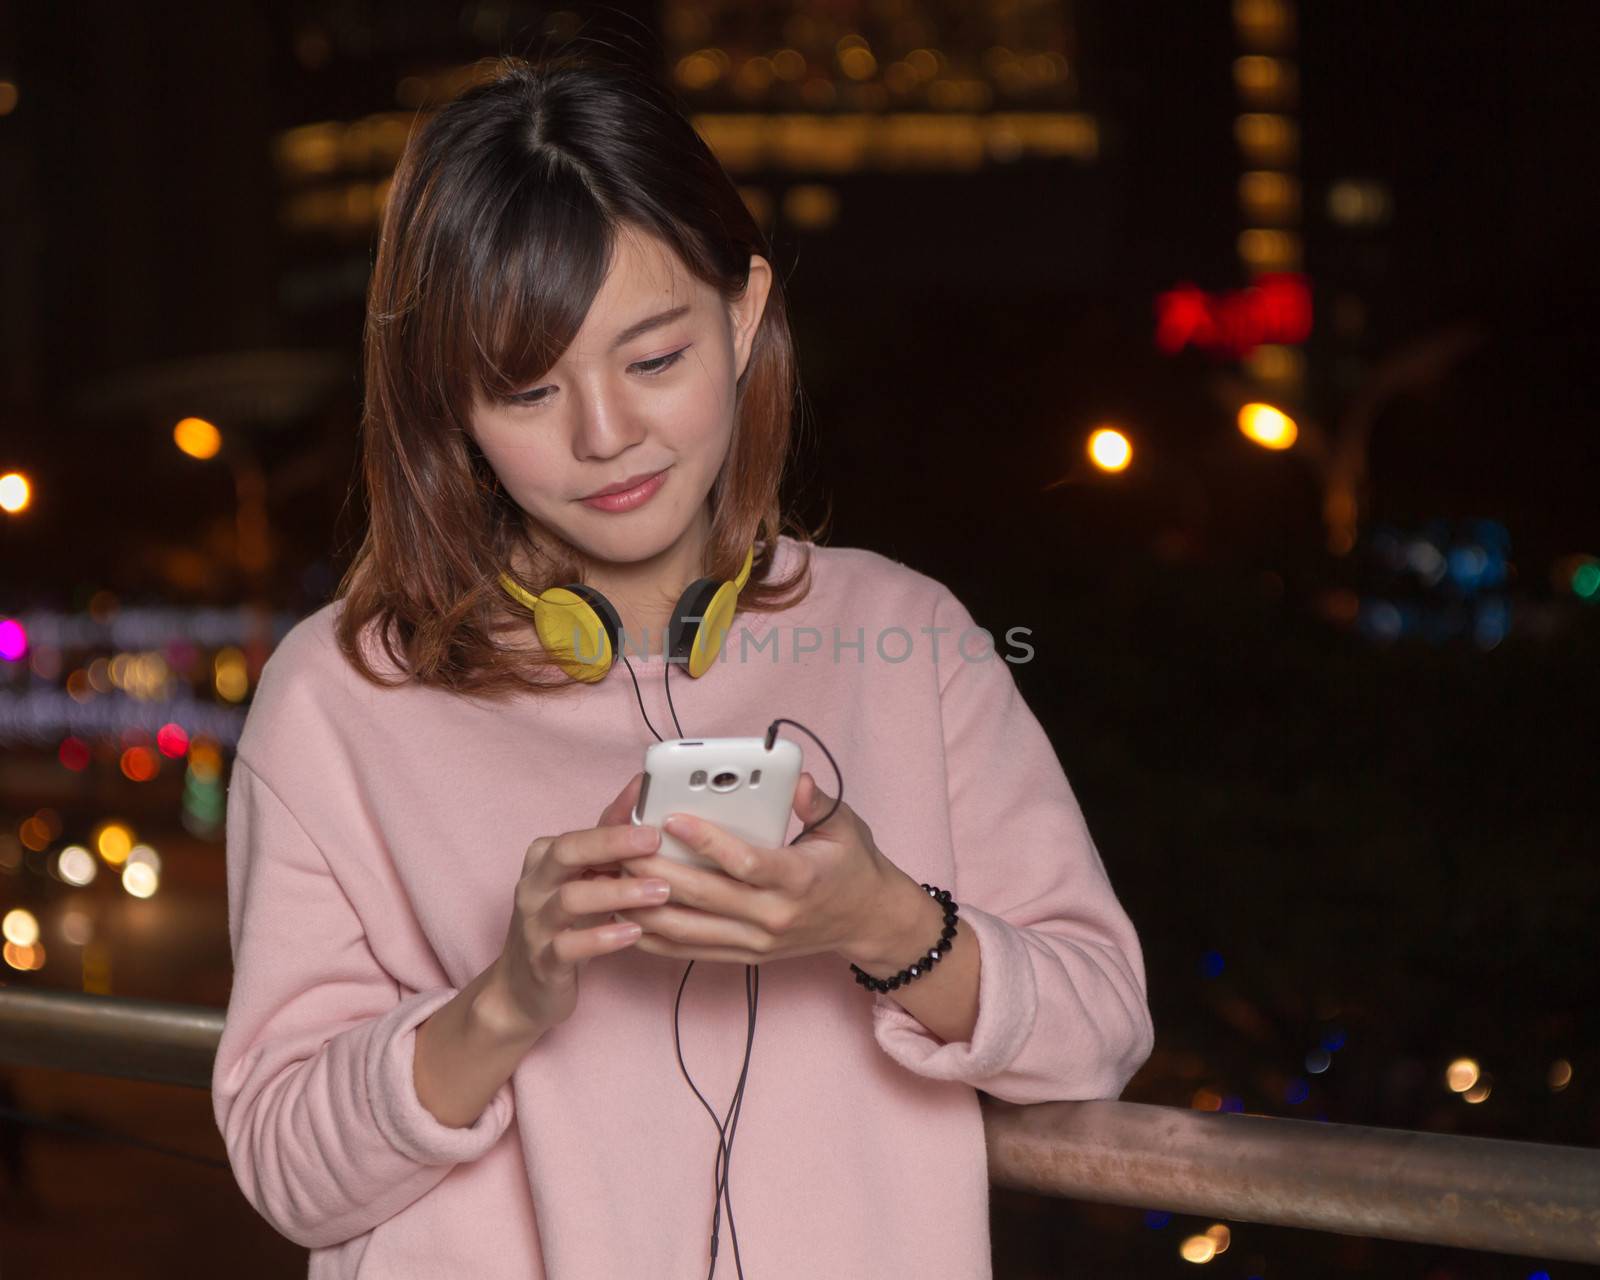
(1247, 352)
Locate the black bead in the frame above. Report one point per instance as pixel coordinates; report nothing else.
(944, 945)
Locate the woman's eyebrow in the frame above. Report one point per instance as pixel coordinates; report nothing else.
(647, 324)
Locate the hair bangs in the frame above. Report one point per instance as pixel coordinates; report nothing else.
(536, 271)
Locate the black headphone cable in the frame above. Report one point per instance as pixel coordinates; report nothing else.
(728, 1126)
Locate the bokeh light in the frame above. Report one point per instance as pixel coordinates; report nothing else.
(140, 879)
(140, 764)
(74, 754)
(77, 927)
(1110, 450)
(144, 855)
(205, 760)
(76, 865)
(172, 741)
(1269, 427)
(13, 640)
(114, 841)
(1200, 1248)
(197, 438)
(230, 675)
(15, 492)
(24, 958)
(20, 927)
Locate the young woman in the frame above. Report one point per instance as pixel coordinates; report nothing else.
(445, 1053)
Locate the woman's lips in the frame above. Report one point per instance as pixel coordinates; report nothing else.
(628, 499)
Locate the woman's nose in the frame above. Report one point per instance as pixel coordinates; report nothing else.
(606, 425)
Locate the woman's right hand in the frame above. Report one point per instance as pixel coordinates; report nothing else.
(570, 885)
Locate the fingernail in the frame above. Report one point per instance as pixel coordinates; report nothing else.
(643, 837)
(680, 824)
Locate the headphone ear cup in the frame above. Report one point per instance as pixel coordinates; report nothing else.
(687, 626)
(580, 630)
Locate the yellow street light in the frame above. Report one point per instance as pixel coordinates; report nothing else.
(1269, 427)
(197, 438)
(1110, 450)
(15, 492)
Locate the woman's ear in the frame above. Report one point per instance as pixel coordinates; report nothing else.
(747, 310)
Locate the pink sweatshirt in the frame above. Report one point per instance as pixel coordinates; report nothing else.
(374, 840)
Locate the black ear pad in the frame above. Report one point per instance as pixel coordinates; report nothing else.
(604, 611)
(687, 615)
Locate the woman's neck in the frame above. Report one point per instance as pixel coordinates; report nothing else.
(644, 592)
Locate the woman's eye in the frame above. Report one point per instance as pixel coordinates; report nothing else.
(649, 368)
(661, 363)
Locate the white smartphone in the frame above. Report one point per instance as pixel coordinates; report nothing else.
(736, 783)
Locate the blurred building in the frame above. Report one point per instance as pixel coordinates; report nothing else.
(930, 140)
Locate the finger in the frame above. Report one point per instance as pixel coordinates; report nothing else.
(811, 802)
(650, 944)
(567, 855)
(578, 898)
(706, 890)
(572, 945)
(699, 928)
(621, 808)
(619, 812)
(805, 797)
(738, 858)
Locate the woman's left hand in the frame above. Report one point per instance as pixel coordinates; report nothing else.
(828, 892)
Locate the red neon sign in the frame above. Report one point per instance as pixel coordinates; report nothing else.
(1276, 308)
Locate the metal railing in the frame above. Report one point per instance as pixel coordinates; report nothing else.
(1530, 1199)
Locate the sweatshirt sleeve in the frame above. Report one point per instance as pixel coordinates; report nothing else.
(1062, 1004)
(312, 1087)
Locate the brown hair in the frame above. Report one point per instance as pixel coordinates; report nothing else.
(496, 236)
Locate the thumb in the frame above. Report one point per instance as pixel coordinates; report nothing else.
(809, 800)
(621, 808)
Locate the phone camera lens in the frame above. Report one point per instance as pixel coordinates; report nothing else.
(726, 780)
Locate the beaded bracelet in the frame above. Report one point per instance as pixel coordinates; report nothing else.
(925, 962)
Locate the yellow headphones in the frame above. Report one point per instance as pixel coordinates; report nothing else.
(580, 629)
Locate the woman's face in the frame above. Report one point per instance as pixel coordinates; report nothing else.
(626, 402)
